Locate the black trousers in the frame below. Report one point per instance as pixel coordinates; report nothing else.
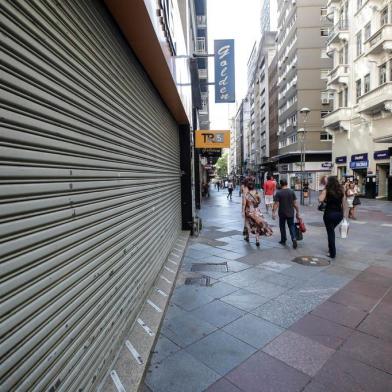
(331, 220)
(282, 226)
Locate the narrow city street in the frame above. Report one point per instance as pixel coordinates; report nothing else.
(266, 323)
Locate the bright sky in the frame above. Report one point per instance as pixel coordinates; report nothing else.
(238, 20)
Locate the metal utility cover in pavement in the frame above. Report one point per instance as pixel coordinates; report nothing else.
(200, 280)
(217, 267)
(312, 261)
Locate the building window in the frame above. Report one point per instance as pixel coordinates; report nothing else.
(324, 32)
(368, 31)
(359, 4)
(345, 97)
(340, 99)
(366, 84)
(324, 113)
(384, 16)
(390, 70)
(324, 12)
(324, 54)
(345, 49)
(358, 88)
(382, 71)
(325, 137)
(359, 43)
(341, 56)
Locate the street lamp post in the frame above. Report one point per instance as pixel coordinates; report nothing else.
(302, 135)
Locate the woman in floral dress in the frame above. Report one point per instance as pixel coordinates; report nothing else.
(254, 219)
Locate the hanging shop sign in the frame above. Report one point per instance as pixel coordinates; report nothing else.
(212, 139)
(359, 157)
(224, 71)
(359, 164)
(359, 161)
(384, 154)
(341, 159)
(210, 152)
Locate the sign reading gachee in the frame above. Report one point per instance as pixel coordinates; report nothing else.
(212, 139)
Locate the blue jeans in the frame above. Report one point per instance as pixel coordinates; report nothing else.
(282, 226)
(331, 220)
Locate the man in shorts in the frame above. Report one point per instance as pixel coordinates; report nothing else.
(269, 192)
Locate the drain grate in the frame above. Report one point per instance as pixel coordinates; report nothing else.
(216, 267)
(203, 280)
(312, 261)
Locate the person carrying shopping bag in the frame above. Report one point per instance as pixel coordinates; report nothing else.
(334, 200)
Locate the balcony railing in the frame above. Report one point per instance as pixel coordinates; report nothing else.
(380, 41)
(201, 20)
(339, 75)
(339, 27)
(336, 118)
(200, 45)
(203, 74)
(375, 99)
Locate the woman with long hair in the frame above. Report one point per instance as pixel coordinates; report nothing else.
(335, 206)
(254, 220)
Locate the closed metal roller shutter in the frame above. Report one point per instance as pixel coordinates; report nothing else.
(90, 192)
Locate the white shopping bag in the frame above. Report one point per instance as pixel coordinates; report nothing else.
(344, 228)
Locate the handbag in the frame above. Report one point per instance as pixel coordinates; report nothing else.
(301, 226)
(344, 226)
(322, 206)
(298, 232)
(356, 201)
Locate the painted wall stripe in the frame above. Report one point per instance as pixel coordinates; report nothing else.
(161, 292)
(166, 280)
(156, 307)
(145, 327)
(134, 353)
(117, 381)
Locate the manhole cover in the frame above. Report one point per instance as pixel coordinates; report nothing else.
(316, 224)
(199, 280)
(218, 267)
(311, 261)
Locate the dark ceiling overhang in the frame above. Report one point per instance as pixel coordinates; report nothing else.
(134, 21)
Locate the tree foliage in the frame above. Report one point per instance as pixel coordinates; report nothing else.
(221, 165)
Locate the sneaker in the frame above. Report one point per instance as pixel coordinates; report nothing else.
(282, 243)
(295, 245)
(257, 243)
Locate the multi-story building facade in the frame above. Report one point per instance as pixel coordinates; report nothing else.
(273, 120)
(269, 16)
(360, 82)
(259, 105)
(303, 66)
(201, 51)
(241, 149)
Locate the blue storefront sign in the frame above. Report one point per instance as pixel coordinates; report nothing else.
(384, 154)
(341, 159)
(359, 161)
(224, 71)
(359, 164)
(359, 157)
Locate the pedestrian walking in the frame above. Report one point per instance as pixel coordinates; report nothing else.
(286, 204)
(244, 191)
(218, 184)
(269, 188)
(334, 199)
(350, 195)
(230, 188)
(254, 219)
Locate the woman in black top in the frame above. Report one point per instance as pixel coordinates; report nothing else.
(335, 200)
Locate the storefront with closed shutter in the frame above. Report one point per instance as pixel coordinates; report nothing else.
(92, 190)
